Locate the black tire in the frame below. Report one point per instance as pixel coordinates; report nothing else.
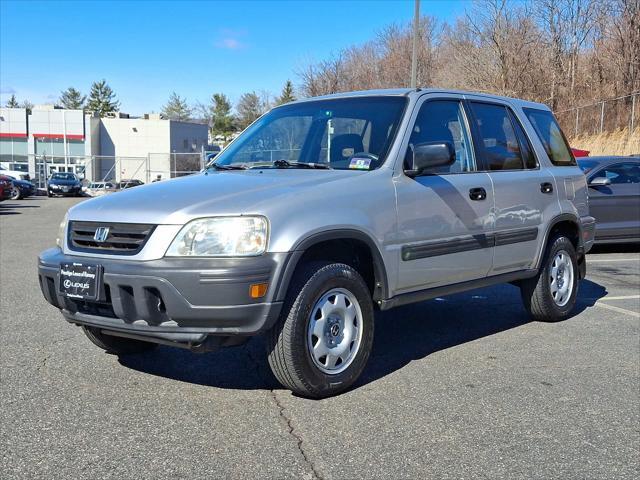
(289, 356)
(49, 194)
(16, 194)
(117, 345)
(536, 292)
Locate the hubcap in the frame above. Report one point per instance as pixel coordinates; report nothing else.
(561, 278)
(335, 331)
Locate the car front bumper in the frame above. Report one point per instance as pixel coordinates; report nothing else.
(62, 191)
(182, 301)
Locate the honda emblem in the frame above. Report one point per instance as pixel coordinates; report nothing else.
(101, 234)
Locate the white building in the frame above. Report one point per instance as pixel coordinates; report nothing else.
(52, 139)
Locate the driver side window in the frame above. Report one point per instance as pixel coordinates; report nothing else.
(444, 121)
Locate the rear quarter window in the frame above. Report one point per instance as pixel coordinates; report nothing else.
(551, 136)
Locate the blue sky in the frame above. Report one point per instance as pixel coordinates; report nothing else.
(147, 49)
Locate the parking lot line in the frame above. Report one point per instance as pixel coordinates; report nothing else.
(617, 309)
(604, 260)
(623, 297)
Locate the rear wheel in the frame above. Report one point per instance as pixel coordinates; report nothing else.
(16, 194)
(551, 295)
(323, 339)
(117, 345)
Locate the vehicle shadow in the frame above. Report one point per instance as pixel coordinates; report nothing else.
(7, 210)
(20, 205)
(614, 248)
(402, 335)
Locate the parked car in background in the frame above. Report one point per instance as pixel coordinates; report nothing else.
(387, 198)
(95, 189)
(129, 183)
(6, 186)
(16, 174)
(64, 183)
(22, 189)
(614, 197)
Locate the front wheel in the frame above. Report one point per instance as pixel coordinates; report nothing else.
(323, 339)
(16, 194)
(551, 295)
(116, 345)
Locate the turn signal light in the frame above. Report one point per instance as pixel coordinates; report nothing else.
(258, 290)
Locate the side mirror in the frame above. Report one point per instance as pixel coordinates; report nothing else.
(600, 182)
(425, 156)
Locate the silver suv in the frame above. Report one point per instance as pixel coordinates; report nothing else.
(321, 212)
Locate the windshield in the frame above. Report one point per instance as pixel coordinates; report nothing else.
(587, 165)
(63, 176)
(342, 133)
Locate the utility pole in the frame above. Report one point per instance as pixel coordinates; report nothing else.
(414, 57)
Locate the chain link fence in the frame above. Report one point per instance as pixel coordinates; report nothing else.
(604, 116)
(110, 169)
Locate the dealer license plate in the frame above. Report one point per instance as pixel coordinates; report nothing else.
(80, 280)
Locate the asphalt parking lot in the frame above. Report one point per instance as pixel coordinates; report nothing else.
(460, 387)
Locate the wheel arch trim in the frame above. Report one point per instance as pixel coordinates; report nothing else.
(381, 287)
(563, 217)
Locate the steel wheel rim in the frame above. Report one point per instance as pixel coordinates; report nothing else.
(335, 331)
(561, 278)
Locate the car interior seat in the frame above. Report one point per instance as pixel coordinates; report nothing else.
(343, 147)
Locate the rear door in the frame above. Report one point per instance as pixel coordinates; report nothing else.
(443, 215)
(616, 207)
(523, 190)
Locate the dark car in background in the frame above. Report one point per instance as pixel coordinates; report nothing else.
(22, 189)
(64, 183)
(5, 187)
(614, 197)
(129, 183)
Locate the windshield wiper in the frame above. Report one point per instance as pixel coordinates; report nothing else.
(229, 167)
(288, 164)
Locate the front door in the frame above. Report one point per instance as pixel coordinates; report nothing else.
(443, 215)
(616, 207)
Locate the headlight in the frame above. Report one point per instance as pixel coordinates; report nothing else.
(61, 231)
(221, 237)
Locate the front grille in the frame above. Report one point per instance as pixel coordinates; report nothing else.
(122, 238)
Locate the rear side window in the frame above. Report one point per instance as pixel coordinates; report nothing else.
(551, 136)
(498, 137)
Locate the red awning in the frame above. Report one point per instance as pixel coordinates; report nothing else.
(13, 135)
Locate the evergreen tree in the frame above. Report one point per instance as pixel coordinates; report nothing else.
(12, 102)
(177, 108)
(249, 108)
(72, 99)
(102, 100)
(287, 94)
(221, 118)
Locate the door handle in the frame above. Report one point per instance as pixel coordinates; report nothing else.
(477, 193)
(546, 187)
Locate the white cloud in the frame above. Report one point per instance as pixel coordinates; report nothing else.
(230, 43)
(229, 39)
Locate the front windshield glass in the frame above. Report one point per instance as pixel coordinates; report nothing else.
(587, 165)
(63, 176)
(343, 133)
